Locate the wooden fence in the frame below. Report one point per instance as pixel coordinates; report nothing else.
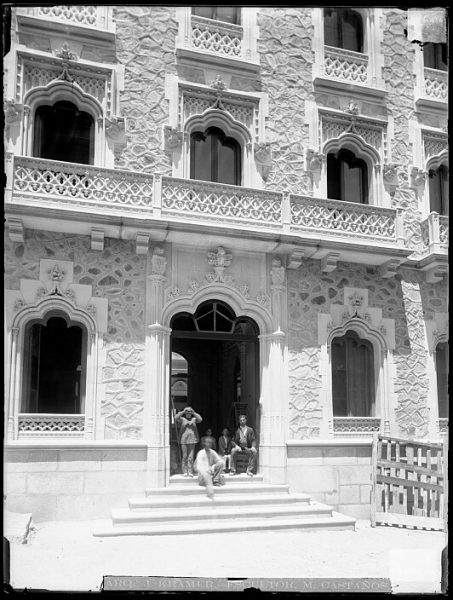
(409, 483)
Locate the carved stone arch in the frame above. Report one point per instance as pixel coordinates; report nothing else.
(355, 143)
(364, 330)
(434, 162)
(214, 117)
(63, 90)
(41, 309)
(232, 297)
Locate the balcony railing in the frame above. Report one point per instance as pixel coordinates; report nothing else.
(436, 84)
(98, 17)
(82, 185)
(40, 424)
(213, 201)
(435, 233)
(355, 426)
(217, 37)
(344, 218)
(346, 65)
(115, 192)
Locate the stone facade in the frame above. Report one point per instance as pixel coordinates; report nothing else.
(159, 253)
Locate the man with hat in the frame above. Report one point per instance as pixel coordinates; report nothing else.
(187, 420)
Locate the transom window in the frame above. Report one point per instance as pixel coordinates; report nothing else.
(214, 317)
(438, 190)
(347, 177)
(227, 14)
(353, 390)
(54, 367)
(435, 56)
(62, 132)
(343, 28)
(215, 157)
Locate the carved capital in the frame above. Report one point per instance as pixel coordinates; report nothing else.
(115, 129)
(173, 139)
(141, 243)
(158, 261)
(13, 111)
(418, 177)
(315, 160)
(390, 177)
(277, 272)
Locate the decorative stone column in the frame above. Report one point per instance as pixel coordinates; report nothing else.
(157, 360)
(11, 419)
(274, 384)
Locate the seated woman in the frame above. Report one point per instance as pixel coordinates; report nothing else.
(209, 436)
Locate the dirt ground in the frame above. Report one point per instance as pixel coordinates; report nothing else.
(66, 556)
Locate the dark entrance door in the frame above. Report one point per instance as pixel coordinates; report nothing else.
(214, 370)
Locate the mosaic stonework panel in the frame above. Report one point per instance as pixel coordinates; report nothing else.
(305, 411)
(123, 378)
(146, 48)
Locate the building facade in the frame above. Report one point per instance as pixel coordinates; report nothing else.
(236, 208)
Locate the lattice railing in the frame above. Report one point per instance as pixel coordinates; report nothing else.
(222, 203)
(347, 218)
(81, 15)
(38, 424)
(356, 425)
(216, 37)
(345, 64)
(436, 84)
(83, 184)
(435, 232)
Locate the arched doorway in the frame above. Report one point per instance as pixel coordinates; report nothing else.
(214, 369)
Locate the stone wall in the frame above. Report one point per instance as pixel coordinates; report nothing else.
(145, 38)
(118, 274)
(406, 298)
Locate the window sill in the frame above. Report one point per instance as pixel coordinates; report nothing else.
(365, 92)
(197, 58)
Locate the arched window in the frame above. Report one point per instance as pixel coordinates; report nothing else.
(343, 28)
(54, 367)
(215, 157)
(347, 177)
(438, 190)
(62, 132)
(435, 56)
(227, 14)
(353, 390)
(442, 379)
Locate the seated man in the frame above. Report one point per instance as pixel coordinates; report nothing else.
(225, 446)
(244, 441)
(210, 468)
(210, 436)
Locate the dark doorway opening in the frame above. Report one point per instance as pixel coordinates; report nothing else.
(215, 359)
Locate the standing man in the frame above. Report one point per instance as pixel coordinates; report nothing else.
(210, 468)
(244, 441)
(188, 420)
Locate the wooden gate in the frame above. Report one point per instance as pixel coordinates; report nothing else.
(409, 483)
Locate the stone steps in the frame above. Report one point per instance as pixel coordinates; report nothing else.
(247, 505)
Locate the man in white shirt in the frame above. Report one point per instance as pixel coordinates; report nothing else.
(210, 468)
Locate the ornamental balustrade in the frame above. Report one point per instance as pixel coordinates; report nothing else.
(355, 425)
(436, 84)
(70, 185)
(346, 65)
(82, 185)
(91, 16)
(345, 218)
(220, 202)
(435, 233)
(217, 37)
(39, 424)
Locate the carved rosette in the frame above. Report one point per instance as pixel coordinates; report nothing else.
(66, 53)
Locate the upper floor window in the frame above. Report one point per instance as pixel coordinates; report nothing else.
(215, 157)
(62, 132)
(343, 28)
(54, 368)
(438, 190)
(347, 177)
(442, 378)
(435, 56)
(353, 390)
(227, 14)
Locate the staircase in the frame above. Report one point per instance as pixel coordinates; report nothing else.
(243, 504)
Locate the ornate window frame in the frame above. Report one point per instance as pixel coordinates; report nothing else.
(328, 59)
(36, 300)
(431, 85)
(42, 79)
(436, 328)
(356, 315)
(240, 115)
